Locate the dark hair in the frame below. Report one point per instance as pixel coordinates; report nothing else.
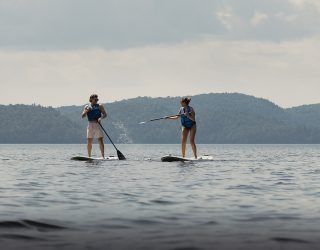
(186, 100)
(93, 96)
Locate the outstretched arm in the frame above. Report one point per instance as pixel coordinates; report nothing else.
(174, 117)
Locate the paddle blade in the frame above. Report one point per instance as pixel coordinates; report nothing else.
(120, 155)
(142, 122)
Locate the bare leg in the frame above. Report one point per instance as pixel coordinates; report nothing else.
(89, 146)
(101, 144)
(193, 131)
(184, 136)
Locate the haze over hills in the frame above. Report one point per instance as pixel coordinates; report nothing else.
(221, 118)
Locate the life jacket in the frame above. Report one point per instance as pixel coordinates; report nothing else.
(95, 113)
(185, 120)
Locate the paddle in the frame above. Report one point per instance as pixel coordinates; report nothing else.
(120, 155)
(157, 119)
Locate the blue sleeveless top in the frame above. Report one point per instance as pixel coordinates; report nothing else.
(95, 113)
(185, 120)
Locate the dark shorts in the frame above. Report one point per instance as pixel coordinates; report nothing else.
(193, 127)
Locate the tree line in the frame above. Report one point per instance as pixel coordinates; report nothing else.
(221, 118)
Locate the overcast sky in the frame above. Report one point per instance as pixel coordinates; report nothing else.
(58, 52)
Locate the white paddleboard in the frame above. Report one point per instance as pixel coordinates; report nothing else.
(172, 158)
(85, 158)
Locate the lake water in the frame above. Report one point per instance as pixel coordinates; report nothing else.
(249, 197)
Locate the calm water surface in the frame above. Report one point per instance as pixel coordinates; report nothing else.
(249, 197)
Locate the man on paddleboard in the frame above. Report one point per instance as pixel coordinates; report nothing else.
(95, 113)
(188, 124)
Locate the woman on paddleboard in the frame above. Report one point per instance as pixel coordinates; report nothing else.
(95, 113)
(188, 124)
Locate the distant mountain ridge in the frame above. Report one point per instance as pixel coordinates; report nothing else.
(221, 118)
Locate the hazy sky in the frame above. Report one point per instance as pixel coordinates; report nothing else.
(57, 52)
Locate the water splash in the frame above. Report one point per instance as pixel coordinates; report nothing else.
(123, 136)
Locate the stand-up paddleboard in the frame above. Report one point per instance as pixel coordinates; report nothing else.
(85, 158)
(172, 158)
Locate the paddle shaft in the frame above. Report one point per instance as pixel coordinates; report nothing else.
(165, 117)
(107, 135)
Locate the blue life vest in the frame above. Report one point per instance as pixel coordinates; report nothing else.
(95, 113)
(185, 120)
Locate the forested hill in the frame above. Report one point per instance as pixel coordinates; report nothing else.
(36, 124)
(221, 118)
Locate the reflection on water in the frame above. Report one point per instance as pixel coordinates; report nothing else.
(249, 197)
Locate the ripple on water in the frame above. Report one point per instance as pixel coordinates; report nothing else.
(29, 224)
(290, 240)
(269, 218)
(27, 231)
(22, 237)
(163, 202)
